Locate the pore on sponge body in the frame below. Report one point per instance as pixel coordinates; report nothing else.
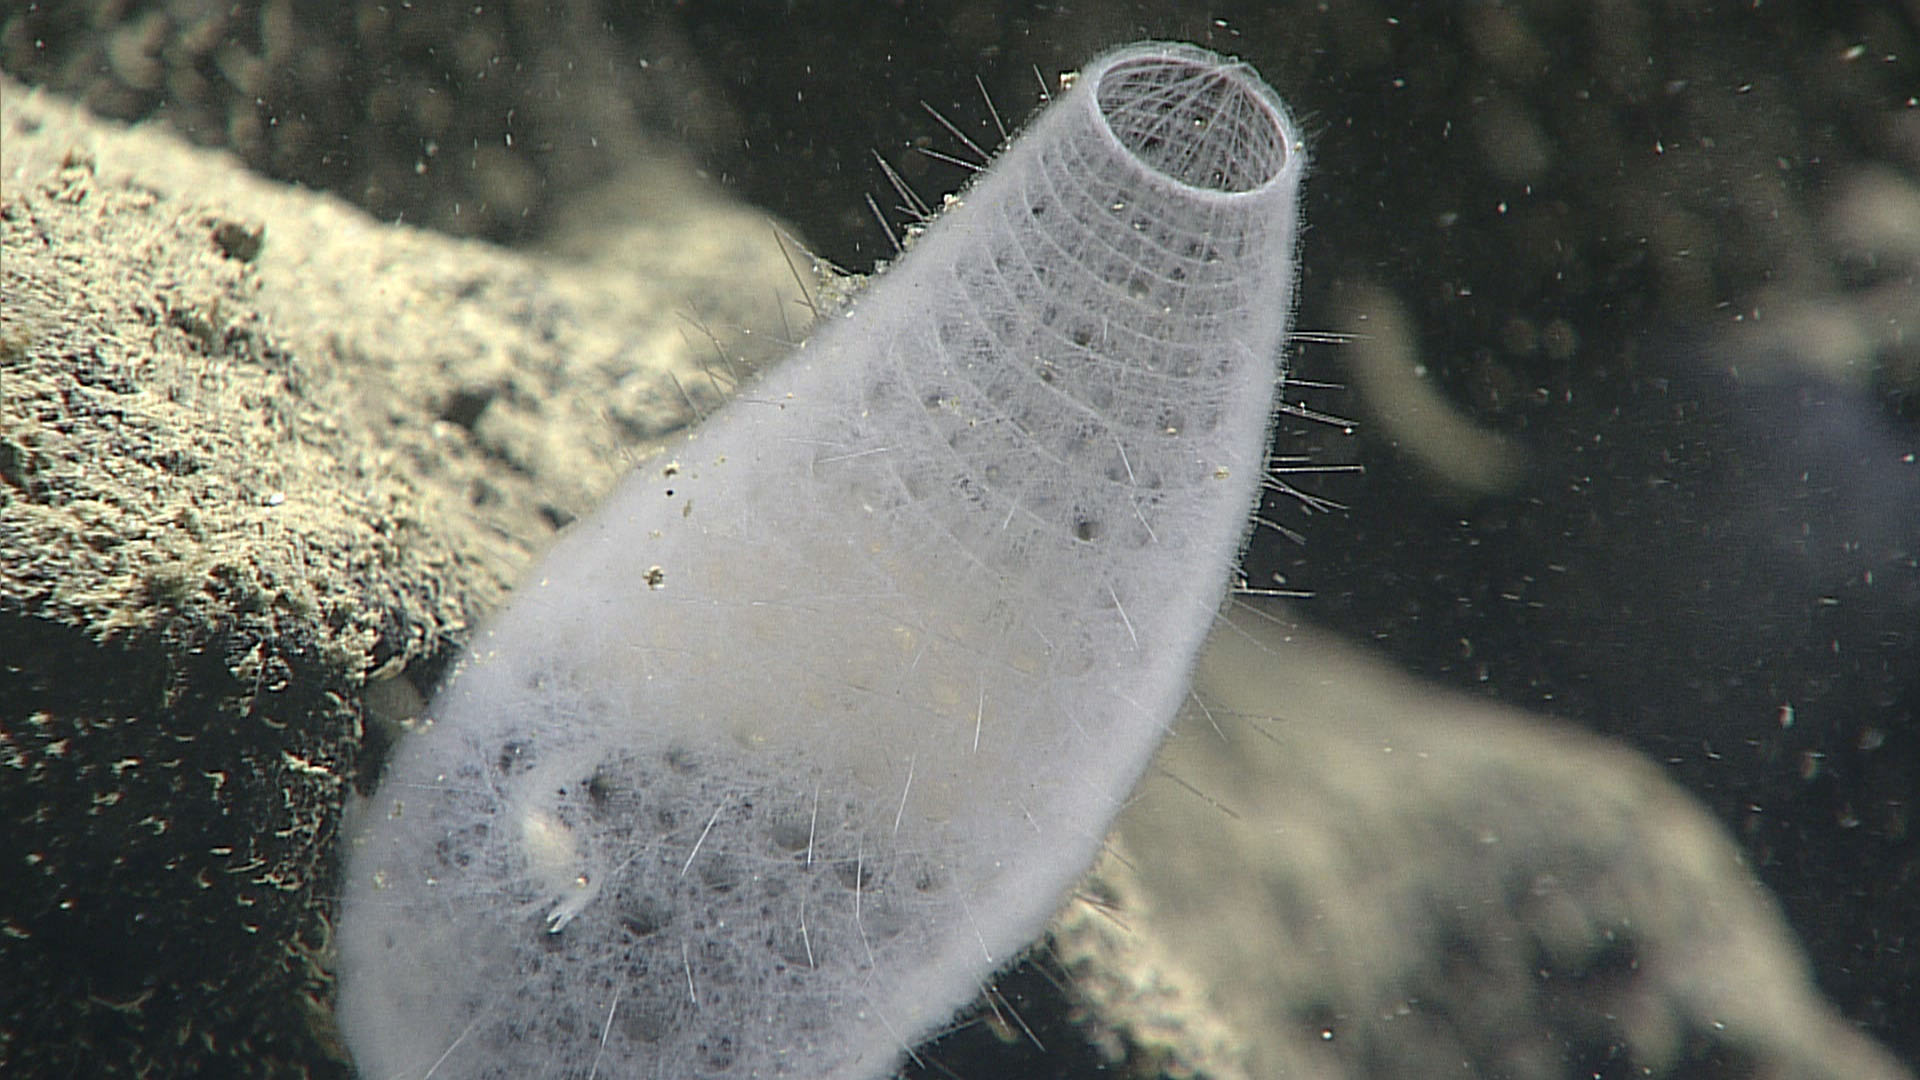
(813, 724)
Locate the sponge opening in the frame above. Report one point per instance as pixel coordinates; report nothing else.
(1196, 119)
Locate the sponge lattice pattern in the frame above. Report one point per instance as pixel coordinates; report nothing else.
(784, 750)
(1111, 322)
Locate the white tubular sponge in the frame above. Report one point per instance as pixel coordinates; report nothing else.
(811, 727)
